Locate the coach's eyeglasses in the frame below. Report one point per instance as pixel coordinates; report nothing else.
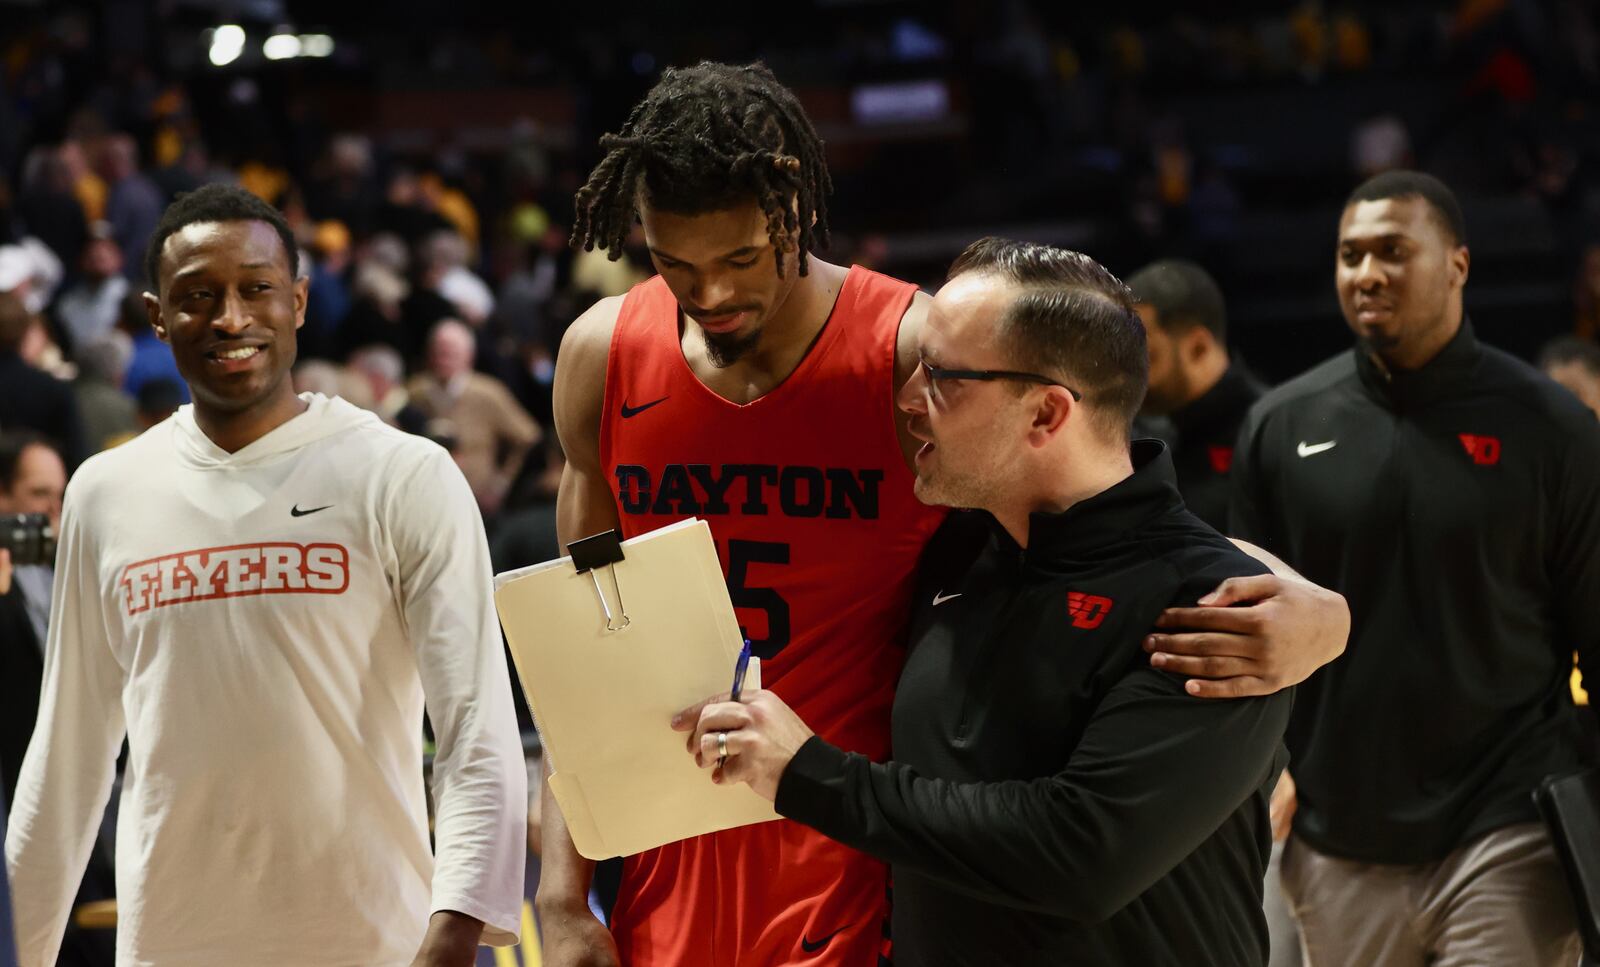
(933, 374)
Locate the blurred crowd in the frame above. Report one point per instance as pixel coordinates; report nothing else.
(441, 278)
(406, 316)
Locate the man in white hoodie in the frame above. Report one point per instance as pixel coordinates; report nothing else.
(262, 592)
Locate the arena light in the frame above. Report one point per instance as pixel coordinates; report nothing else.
(316, 45)
(281, 47)
(227, 43)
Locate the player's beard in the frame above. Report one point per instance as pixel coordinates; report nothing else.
(725, 349)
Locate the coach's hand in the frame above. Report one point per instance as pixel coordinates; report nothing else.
(451, 941)
(763, 734)
(1282, 630)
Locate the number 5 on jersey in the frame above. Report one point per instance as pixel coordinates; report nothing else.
(741, 555)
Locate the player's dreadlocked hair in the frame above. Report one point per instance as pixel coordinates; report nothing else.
(708, 138)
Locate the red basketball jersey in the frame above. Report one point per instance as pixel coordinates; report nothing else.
(809, 499)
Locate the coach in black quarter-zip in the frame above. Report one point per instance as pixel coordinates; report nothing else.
(1452, 493)
(1053, 798)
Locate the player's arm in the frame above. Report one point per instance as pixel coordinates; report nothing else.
(71, 760)
(584, 506)
(1255, 635)
(480, 779)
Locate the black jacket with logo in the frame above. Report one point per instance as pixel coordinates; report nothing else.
(1457, 508)
(1206, 431)
(1053, 799)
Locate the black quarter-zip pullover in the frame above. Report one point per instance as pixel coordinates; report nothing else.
(1053, 799)
(1457, 508)
(1206, 432)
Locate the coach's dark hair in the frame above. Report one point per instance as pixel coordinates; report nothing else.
(13, 443)
(1073, 320)
(1183, 295)
(1416, 184)
(216, 203)
(709, 138)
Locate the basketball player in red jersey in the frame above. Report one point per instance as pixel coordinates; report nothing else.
(752, 385)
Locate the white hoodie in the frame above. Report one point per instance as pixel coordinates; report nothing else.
(265, 625)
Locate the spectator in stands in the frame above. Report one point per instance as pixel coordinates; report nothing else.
(613, 273)
(152, 358)
(158, 399)
(1574, 364)
(32, 481)
(88, 309)
(331, 379)
(1193, 382)
(48, 207)
(133, 202)
(189, 170)
(1378, 144)
(538, 270)
(404, 211)
(342, 186)
(491, 429)
(107, 412)
(385, 373)
(444, 265)
(30, 398)
(28, 269)
(328, 301)
(377, 311)
(424, 307)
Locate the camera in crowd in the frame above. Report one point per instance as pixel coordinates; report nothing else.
(29, 538)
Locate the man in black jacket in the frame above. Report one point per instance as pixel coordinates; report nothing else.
(1448, 490)
(1053, 798)
(1194, 383)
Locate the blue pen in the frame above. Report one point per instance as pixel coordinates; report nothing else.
(739, 668)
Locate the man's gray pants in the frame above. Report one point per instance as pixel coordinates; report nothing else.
(1498, 900)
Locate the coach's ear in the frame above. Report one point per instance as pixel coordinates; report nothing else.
(152, 309)
(1054, 412)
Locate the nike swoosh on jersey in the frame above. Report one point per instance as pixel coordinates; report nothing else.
(812, 946)
(632, 411)
(1311, 449)
(941, 598)
(295, 511)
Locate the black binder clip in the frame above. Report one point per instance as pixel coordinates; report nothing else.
(603, 550)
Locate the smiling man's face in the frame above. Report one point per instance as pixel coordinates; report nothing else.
(229, 307)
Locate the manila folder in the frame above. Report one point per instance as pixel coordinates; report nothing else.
(603, 700)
